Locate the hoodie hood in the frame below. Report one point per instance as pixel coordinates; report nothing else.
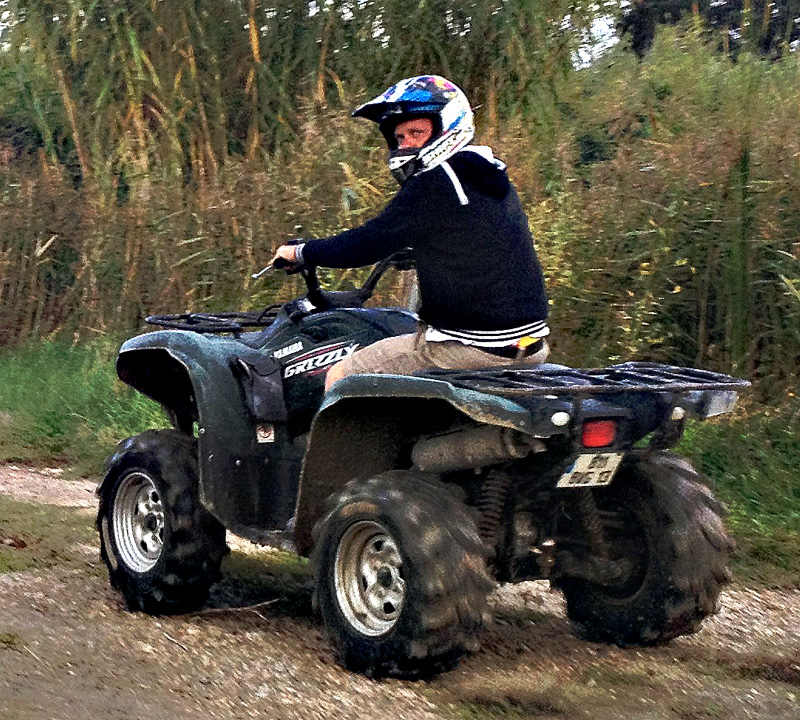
(478, 167)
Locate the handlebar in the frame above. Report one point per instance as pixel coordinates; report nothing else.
(325, 299)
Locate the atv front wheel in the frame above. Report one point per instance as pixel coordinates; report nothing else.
(662, 528)
(400, 575)
(162, 548)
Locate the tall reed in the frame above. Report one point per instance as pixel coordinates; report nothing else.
(156, 153)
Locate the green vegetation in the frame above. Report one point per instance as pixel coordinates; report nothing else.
(64, 403)
(752, 461)
(280, 578)
(167, 150)
(10, 641)
(152, 154)
(532, 704)
(514, 698)
(629, 683)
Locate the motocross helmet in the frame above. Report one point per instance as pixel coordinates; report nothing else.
(427, 96)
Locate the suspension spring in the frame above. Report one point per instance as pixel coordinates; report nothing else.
(592, 523)
(492, 504)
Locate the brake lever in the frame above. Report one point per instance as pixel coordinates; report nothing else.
(257, 275)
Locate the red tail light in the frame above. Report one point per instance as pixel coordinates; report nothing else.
(599, 433)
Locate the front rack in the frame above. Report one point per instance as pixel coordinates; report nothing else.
(223, 322)
(549, 379)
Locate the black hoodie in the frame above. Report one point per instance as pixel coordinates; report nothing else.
(470, 238)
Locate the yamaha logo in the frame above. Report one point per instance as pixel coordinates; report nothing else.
(319, 360)
(288, 350)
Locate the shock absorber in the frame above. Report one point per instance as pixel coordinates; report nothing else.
(492, 505)
(592, 523)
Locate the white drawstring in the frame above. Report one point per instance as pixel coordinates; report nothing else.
(462, 196)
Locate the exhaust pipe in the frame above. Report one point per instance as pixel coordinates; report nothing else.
(472, 448)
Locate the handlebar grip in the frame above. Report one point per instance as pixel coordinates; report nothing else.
(281, 263)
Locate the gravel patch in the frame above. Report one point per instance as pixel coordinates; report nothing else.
(69, 649)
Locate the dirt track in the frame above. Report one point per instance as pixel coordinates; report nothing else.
(68, 649)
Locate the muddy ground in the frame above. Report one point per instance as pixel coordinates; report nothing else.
(69, 649)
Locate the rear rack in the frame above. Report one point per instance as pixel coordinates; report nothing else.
(224, 322)
(550, 379)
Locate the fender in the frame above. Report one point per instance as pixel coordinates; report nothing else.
(244, 481)
(367, 420)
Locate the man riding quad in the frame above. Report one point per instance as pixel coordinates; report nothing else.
(430, 472)
(483, 301)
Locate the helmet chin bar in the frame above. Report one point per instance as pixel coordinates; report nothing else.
(404, 163)
(444, 147)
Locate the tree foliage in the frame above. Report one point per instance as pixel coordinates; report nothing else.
(687, 207)
(768, 26)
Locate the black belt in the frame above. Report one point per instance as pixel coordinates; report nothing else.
(512, 351)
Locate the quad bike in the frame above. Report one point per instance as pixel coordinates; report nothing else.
(412, 495)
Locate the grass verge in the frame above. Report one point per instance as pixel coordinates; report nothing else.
(60, 403)
(752, 461)
(280, 578)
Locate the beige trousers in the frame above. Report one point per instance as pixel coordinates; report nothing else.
(404, 354)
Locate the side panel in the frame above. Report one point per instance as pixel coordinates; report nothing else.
(367, 425)
(249, 474)
(320, 340)
(244, 482)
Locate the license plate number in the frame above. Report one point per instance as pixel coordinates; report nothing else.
(591, 470)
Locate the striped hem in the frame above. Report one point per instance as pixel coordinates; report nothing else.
(489, 338)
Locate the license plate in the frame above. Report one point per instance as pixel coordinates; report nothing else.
(591, 470)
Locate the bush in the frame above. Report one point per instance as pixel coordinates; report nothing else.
(752, 461)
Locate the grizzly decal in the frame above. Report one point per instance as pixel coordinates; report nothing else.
(321, 359)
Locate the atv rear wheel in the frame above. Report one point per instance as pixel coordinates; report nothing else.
(400, 575)
(663, 529)
(162, 548)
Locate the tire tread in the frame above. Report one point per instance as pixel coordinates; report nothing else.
(194, 546)
(450, 562)
(692, 566)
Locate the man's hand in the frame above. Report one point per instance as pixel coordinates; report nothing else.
(286, 257)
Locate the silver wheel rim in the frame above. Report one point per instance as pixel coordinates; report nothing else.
(137, 520)
(370, 588)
